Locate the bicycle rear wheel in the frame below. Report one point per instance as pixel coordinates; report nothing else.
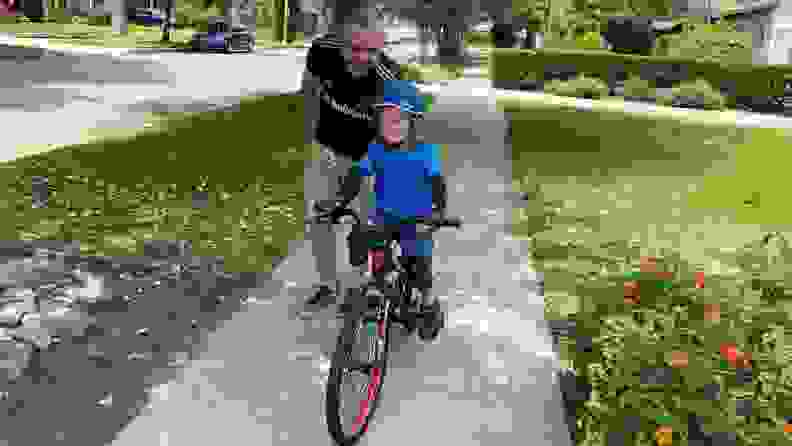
(362, 352)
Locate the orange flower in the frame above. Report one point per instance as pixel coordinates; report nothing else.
(664, 435)
(648, 264)
(679, 359)
(712, 312)
(743, 360)
(665, 275)
(631, 292)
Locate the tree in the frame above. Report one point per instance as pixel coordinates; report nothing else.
(586, 16)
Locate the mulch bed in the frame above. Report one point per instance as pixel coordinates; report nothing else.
(148, 320)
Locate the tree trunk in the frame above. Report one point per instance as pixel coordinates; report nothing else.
(450, 42)
(425, 42)
(120, 19)
(35, 10)
(248, 15)
(170, 20)
(228, 12)
(280, 9)
(44, 8)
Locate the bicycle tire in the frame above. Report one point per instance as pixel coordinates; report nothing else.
(340, 361)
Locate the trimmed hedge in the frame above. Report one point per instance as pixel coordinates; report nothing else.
(639, 89)
(580, 87)
(737, 80)
(696, 94)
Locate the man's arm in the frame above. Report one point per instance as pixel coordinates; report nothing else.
(350, 186)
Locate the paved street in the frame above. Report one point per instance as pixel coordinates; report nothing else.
(79, 91)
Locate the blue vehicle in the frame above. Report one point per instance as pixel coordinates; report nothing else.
(240, 38)
(146, 16)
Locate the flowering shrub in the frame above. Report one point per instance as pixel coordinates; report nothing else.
(661, 347)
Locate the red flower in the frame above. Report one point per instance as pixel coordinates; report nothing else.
(699, 280)
(729, 351)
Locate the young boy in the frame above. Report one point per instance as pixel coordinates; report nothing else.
(407, 183)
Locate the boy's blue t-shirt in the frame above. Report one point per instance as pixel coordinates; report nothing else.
(402, 186)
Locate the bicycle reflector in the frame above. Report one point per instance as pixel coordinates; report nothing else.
(376, 260)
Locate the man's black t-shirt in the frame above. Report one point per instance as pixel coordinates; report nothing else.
(345, 121)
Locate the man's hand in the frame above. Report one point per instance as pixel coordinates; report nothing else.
(331, 208)
(439, 214)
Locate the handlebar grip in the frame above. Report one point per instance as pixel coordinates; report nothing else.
(452, 221)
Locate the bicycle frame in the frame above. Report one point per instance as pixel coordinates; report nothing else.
(375, 306)
(384, 263)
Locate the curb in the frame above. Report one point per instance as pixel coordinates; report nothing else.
(69, 254)
(734, 117)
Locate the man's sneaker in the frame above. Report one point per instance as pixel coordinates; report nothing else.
(322, 297)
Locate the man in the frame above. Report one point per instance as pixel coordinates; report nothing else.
(343, 76)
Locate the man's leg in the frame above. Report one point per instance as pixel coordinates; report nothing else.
(363, 203)
(322, 182)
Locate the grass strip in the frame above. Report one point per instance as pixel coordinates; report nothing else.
(228, 181)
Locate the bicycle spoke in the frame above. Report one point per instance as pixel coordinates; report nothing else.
(366, 359)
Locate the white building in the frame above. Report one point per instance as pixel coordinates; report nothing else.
(770, 22)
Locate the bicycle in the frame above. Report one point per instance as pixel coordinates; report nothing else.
(386, 297)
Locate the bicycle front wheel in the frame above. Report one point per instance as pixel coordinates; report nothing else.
(357, 371)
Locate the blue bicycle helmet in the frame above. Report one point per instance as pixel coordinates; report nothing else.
(402, 94)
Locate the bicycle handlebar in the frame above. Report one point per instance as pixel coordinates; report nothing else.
(436, 223)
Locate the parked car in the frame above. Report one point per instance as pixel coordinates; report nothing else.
(217, 39)
(146, 16)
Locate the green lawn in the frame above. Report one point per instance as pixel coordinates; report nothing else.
(112, 194)
(83, 35)
(431, 72)
(607, 189)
